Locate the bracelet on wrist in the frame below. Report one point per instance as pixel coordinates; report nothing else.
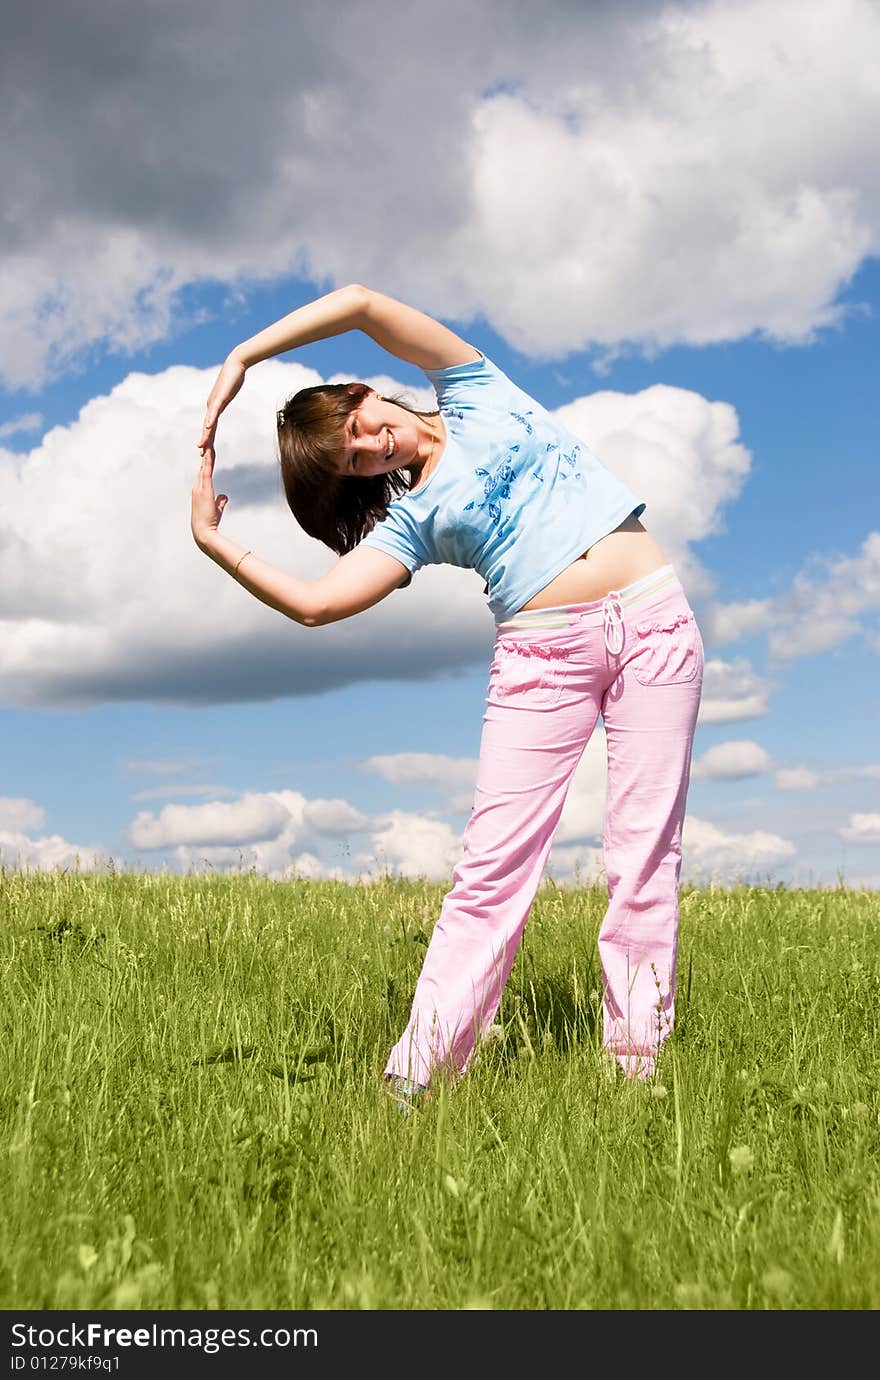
(239, 561)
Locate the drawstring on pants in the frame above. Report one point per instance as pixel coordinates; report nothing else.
(612, 612)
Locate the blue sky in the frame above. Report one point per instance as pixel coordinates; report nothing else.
(154, 714)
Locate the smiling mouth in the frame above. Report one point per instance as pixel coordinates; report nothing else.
(391, 447)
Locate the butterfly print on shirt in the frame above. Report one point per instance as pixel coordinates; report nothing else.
(496, 488)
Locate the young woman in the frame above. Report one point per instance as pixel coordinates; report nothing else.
(590, 620)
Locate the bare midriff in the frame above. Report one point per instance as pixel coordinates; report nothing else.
(624, 555)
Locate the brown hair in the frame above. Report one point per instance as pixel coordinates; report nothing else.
(337, 509)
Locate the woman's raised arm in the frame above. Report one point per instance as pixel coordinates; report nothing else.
(401, 330)
(332, 314)
(411, 335)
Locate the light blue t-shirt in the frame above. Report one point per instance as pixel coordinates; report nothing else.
(514, 496)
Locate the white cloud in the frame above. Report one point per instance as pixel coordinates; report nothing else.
(334, 818)
(238, 822)
(862, 828)
(866, 771)
(411, 845)
(644, 173)
(731, 692)
(310, 868)
(19, 850)
(731, 761)
(736, 620)
(269, 832)
(678, 451)
(823, 608)
(803, 778)
(46, 853)
(711, 855)
(276, 860)
(796, 779)
(272, 832)
(454, 777)
(584, 810)
(576, 862)
(28, 421)
(17, 813)
(103, 600)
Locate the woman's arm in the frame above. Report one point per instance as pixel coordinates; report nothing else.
(403, 331)
(356, 582)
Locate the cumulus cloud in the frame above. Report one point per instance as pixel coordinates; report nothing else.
(583, 813)
(826, 601)
(453, 776)
(796, 779)
(578, 863)
(271, 832)
(47, 853)
(732, 691)
(282, 834)
(334, 818)
(738, 619)
(731, 761)
(265, 832)
(862, 828)
(411, 845)
(19, 849)
(105, 597)
(218, 822)
(807, 778)
(711, 855)
(824, 607)
(276, 860)
(17, 813)
(678, 451)
(613, 174)
(29, 421)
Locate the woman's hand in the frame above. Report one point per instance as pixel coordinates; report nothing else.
(206, 509)
(227, 384)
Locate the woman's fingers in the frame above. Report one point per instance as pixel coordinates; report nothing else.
(209, 427)
(227, 385)
(206, 509)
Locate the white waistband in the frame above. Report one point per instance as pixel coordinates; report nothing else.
(561, 615)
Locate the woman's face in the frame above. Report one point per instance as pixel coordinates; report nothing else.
(379, 437)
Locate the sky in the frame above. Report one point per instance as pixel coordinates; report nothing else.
(662, 221)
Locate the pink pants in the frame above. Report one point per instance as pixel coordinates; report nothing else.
(636, 657)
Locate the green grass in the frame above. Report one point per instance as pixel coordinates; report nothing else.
(194, 1116)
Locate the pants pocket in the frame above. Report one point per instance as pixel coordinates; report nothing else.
(528, 674)
(667, 649)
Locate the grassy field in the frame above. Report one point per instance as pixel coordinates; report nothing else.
(194, 1116)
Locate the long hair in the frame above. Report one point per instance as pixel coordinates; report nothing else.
(337, 509)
